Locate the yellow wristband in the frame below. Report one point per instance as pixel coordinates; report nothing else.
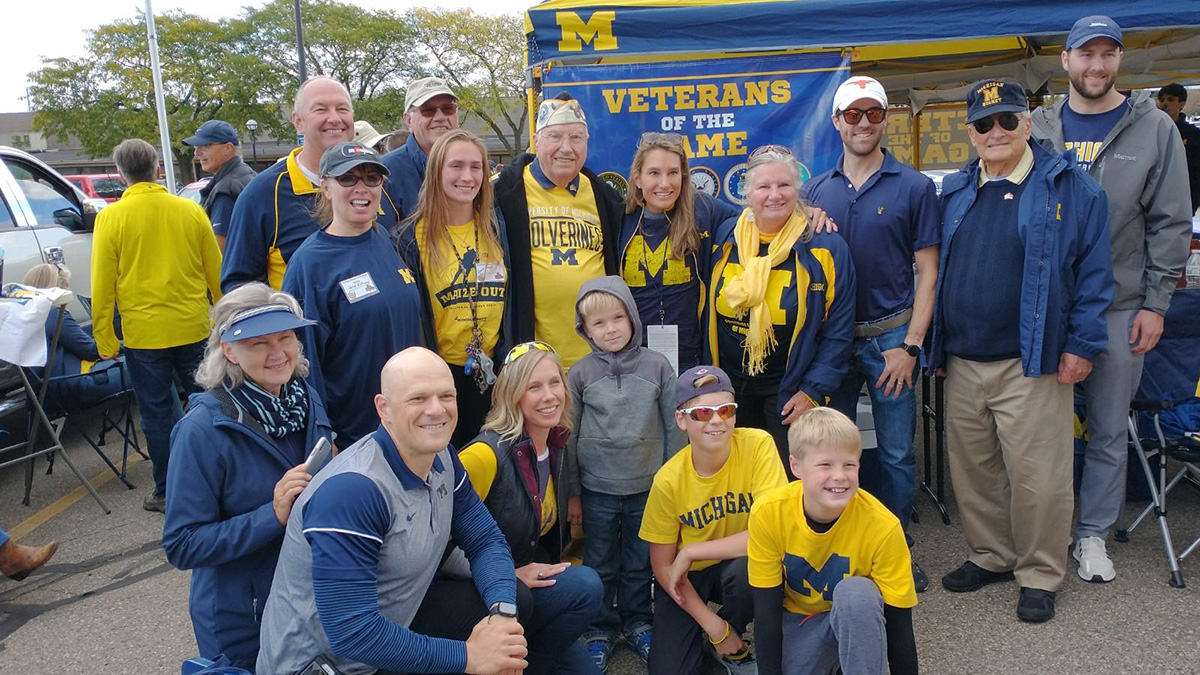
(723, 637)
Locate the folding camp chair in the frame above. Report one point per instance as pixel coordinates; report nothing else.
(1157, 448)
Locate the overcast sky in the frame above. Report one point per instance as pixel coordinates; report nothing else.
(35, 30)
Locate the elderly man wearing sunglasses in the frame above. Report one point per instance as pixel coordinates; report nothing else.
(1026, 276)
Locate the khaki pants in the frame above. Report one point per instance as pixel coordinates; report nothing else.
(1011, 460)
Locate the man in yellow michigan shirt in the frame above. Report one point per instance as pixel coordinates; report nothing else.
(155, 257)
(562, 227)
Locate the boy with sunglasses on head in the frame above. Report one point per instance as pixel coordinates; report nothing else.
(828, 564)
(696, 521)
(624, 430)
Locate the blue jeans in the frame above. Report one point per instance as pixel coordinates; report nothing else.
(154, 373)
(621, 558)
(895, 423)
(560, 615)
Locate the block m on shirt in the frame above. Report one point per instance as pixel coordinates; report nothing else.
(798, 571)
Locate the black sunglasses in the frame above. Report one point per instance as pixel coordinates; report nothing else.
(372, 179)
(854, 115)
(1008, 121)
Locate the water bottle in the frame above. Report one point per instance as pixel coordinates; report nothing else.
(1192, 273)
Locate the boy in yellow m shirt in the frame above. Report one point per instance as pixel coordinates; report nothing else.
(830, 570)
(695, 521)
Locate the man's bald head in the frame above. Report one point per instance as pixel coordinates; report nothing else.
(320, 82)
(324, 113)
(417, 405)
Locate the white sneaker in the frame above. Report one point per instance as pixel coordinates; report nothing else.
(1094, 565)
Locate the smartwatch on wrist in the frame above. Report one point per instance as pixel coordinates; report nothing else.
(913, 350)
(505, 609)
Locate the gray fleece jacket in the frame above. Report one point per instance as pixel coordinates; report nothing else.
(624, 412)
(1142, 168)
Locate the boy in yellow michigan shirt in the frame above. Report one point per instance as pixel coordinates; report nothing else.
(695, 521)
(829, 566)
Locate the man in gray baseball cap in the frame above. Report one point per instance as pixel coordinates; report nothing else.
(216, 148)
(430, 110)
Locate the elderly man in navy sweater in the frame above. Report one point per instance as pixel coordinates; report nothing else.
(1026, 275)
(357, 586)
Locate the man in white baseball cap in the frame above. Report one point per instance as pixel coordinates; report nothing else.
(430, 110)
(888, 214)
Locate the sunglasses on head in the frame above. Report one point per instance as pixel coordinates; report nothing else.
(448, 109)
(1008, 121)
(771, 149)
(854, 115)
(523, 349)
(704, 413)
(371, 179)
(651, 138)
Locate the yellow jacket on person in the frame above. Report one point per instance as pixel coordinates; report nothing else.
(155, 257)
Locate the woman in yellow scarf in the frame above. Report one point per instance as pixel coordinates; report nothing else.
(780, 316)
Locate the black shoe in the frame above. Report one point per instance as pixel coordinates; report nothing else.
(971, 577)
(919, 579)
(1035, 605)
(155, 503)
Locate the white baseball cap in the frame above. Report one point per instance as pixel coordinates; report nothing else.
(858, 87)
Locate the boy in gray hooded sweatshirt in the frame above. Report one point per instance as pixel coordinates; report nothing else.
(624, 429)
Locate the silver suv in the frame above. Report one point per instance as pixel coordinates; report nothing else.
(44, 218)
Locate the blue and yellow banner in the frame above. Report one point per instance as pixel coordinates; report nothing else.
(724, 109)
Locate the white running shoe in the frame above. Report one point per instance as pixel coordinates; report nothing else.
(1094, 564)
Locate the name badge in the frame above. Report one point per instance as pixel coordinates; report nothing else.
(359, 287)
(665, 341)
(489, 272)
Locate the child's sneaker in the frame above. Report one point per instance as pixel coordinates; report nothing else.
(740, 662)
(638, 640)
(599, 647)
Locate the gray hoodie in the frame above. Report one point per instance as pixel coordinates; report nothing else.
(624, 412)
(1142, 168)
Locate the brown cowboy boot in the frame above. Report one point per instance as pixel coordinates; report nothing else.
(17, 561)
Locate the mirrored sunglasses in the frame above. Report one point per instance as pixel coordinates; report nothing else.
(704, 413)
(854, 115)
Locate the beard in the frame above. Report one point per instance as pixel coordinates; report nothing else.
(1079, 84)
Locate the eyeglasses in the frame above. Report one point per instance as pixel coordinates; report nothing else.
(854, 115)
(764, 150)
(448, 109)
(704, 413)
(652, 138)
(556, 137)
(349, 180)
(1008, 121)
(524, 348)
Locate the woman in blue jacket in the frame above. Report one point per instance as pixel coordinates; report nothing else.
(780, 311)
(665, 243)
(237, 465)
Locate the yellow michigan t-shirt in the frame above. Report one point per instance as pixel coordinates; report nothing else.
(451, 285)
(866, 541)
(566, 249)
(684, 508)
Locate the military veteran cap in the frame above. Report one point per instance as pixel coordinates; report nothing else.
(212, 131)
(988, 97)
(557, 111)
(340, 158)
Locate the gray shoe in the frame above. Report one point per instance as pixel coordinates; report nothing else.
(740, 663)
(155, 503)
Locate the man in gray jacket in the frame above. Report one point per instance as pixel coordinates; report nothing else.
(1134, 150)
(216, 147)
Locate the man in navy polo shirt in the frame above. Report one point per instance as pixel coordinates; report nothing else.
(888, 213)
(357, 585)
(1025, 279)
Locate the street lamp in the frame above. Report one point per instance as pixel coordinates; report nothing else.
(252, 127)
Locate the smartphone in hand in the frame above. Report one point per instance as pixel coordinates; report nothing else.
(319, 457)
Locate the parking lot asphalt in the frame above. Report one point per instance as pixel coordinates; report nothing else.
(110, 603)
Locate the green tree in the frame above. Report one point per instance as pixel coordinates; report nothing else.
(482, 57)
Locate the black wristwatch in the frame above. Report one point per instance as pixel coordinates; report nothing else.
(506, 609)
(913, 350)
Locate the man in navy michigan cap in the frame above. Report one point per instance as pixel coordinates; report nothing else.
(216, 147)
(1025, 278)
(1134, 151)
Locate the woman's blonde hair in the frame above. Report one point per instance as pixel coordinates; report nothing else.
(216, 370)
(434, 207)
(46, 275)
(505, 417)
(682, 233)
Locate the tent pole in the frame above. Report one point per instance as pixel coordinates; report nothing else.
(916, 141)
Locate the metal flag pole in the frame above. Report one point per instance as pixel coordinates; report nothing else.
(164, 133)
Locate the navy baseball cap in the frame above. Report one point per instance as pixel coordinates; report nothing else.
(342, 157)
(988, 97)
(213, 131)
(262, 320)
(686, 388)
(1092, 27)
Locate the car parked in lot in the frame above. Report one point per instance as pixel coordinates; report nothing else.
(192, 190)
(106, 186)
